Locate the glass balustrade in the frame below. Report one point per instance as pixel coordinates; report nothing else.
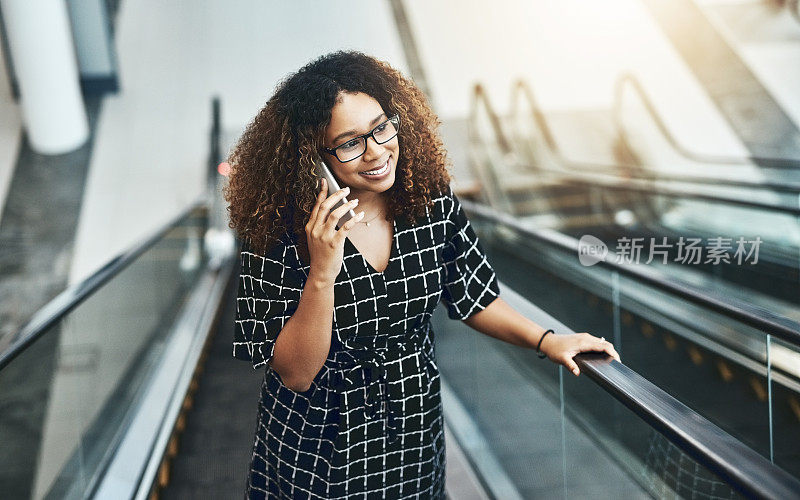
(65, 400)
(736, 376)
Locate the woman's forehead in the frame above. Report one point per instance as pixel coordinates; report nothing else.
(353, 113)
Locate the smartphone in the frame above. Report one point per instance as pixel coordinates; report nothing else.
(324, 172)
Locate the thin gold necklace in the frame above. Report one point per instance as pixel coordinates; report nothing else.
(372, 219)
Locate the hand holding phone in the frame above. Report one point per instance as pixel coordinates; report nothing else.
(325, 242)
(324, 172)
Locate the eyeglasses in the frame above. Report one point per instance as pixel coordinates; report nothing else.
(357, 146)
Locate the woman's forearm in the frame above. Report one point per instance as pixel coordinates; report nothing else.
(501, 321)
(305, 340)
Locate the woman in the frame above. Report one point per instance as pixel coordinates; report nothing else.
(339, 317)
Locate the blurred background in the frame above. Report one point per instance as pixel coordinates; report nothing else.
(652, 124)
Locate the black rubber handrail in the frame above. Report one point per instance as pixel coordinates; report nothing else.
(746, 313)
(523, 90)
(727, 457)
(69, 299)
(628, 79)
(709, 445)
(55, 310)
(480, 97)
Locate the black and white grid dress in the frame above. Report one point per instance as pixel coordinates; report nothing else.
(370, 425)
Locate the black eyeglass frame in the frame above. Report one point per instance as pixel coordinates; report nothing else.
(394, 118)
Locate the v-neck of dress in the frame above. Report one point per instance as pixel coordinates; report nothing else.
(391, 251)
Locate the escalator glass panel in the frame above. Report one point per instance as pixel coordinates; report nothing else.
(66, 398)
(785, 400)
(712, 364)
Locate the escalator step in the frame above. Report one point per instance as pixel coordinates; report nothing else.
(215, 448)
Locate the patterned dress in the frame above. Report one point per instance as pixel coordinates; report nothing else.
(370, 425)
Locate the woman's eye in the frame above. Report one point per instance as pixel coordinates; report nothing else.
(349, 145)
(380, 128)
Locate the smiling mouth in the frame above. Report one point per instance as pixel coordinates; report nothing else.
(378, 171)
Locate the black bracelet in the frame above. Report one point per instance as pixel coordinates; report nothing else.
(541, 354)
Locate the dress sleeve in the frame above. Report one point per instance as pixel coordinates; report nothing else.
(470, 281)
(269, 292)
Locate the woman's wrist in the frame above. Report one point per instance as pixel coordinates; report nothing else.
(532, 335)
(539, 350)
(319, 282)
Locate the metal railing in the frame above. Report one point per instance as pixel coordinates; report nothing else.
(522, 92)
(774, 326)
(628, 80)
(114, 326)
(481, 98)
(782, 327)
(52, 312)
(743, 468)
(60, 306)
(786, 328)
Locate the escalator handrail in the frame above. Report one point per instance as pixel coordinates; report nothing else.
(481, 98)
(727, 457)
(778, 326)
(710, 446)
(522, 88)
(627, 79)
(784, 328)
(57, 308)
(479, 95)
(628, 185)
(70, 298)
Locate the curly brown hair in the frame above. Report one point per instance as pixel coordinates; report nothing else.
(273, 183)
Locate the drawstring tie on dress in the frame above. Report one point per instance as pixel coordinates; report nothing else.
(368, 366)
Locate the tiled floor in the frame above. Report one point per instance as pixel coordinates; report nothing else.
(37, 231)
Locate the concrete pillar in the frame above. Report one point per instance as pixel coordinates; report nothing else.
(43, 55)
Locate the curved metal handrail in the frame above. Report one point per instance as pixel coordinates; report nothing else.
(521, 89)
(475, 137)
(627, 185)
(782, 327)
(628, 79)
(66, 301)
(481, 98)
(480, 95)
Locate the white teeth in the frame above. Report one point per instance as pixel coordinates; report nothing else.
(378, 171)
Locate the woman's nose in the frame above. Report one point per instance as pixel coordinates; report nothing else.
(374, 150)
